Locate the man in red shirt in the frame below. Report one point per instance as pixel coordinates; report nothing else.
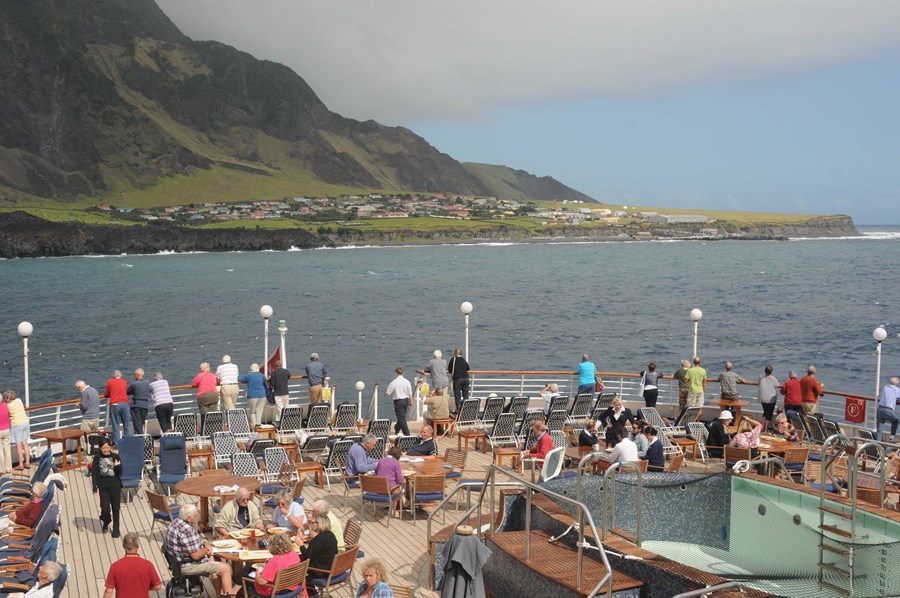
(28, 515)
(132, 576)
(119, 409)
(810, 389)
(793, 397)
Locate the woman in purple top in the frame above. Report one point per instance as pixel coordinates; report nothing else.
(390, 468)
(5, 456)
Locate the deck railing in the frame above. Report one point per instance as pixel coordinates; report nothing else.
(505, 383)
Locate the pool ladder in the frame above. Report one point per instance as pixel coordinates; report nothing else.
(826, 544)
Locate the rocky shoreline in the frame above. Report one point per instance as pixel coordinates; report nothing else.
(24, 235)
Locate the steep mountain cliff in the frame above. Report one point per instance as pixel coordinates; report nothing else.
(106, 96)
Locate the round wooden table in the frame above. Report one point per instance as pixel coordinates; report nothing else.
(202, 487)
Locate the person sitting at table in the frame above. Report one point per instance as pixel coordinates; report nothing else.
(438, 407)
(358, 460)
(718, 437)
(321, 507)
(639, 436)
(239, 514)
(784, 429)
(193, 551)
(625, 450)
(548, 393)
(319, 548)
(748, 438)
(588, 436)
(426, 445)
(288, 513)
(375, 581)
(655, 454)
(283, 556)
(28, 515)
(389, 467)
(615, 419)
(543, 444)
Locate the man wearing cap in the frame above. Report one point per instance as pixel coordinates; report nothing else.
(886, 404)
(227, 376)
(718, 436)
(400, 390)
(437, 367)
(315, 376)
(811, 389)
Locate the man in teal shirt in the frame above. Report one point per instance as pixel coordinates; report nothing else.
(696, 377)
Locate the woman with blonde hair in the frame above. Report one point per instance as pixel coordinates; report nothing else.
(320, 548)
(19, 429)
(283, 556)
(375, 583)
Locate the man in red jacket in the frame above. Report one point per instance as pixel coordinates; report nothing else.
(28, 515)
(119, 409)
(810, 390)
(793, 397)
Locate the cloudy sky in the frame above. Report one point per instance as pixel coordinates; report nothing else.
(763, 105)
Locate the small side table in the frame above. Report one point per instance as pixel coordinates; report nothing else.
(478, 436)
(501, 452)
(685, 444)
(313, 467)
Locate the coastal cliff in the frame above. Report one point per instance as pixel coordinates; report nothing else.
(24, 235)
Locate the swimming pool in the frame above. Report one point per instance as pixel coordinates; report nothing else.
(748, 530)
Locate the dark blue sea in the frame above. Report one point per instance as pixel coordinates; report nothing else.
(537, 306)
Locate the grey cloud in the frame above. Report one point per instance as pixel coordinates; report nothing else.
(407, 60)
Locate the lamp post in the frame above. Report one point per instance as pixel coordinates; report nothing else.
(25, 330)
(879, 334)
(266, 312)
(696, 315)
(466, 308)
(282, 329)
(360, 385)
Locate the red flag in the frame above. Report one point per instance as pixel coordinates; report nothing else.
(270, 365)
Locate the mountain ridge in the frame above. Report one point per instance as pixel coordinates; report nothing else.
(108, 96)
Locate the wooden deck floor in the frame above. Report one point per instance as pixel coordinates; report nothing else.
(89, 553)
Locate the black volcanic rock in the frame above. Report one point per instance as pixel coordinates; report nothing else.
(24, 235)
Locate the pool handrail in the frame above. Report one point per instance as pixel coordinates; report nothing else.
(852, 475)
(710, 589)
(581, 509)
(612, 503)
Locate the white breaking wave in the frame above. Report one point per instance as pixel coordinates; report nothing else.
(868, 236)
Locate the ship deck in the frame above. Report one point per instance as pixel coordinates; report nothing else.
(403, 546)
(89, 553)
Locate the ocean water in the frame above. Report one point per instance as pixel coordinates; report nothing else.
(537, 306)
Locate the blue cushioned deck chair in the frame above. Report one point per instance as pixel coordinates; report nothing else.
(131, 452)
(428, 489)
(377, 490)
(26, 577)
(21, 533)
(173, 464)
(20, 484)
(49, 525)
